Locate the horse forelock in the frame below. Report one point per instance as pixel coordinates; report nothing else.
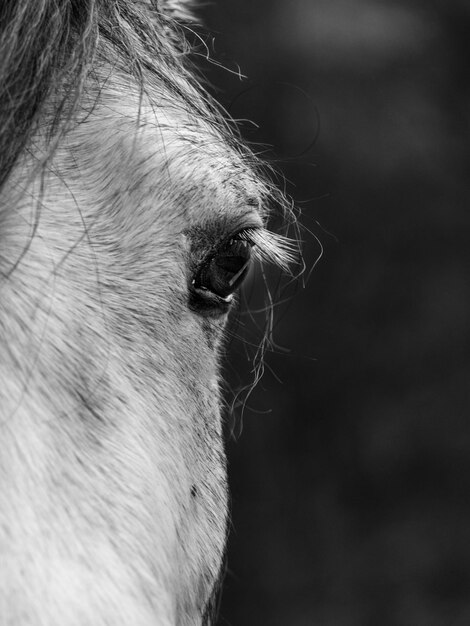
(57, 56)
(50, 49)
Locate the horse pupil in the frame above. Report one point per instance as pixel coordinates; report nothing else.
(231, 264)
(226, 269)
(229, 267)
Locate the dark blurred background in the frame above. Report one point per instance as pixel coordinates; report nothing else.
(351, 478)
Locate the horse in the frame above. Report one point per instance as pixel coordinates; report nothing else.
(130, 215)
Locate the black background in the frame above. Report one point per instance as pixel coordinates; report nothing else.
(349, 461)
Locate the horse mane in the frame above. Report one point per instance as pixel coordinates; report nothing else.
(48, 49)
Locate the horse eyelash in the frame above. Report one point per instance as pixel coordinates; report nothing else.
(271, 247)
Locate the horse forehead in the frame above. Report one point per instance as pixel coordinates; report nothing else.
(162, 151)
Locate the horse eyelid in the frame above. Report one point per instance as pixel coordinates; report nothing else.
(271, 247)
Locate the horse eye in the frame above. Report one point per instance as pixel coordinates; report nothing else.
(224, 271)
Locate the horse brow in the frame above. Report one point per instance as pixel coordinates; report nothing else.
(127, 35)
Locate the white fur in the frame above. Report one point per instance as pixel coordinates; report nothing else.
(113, 497)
